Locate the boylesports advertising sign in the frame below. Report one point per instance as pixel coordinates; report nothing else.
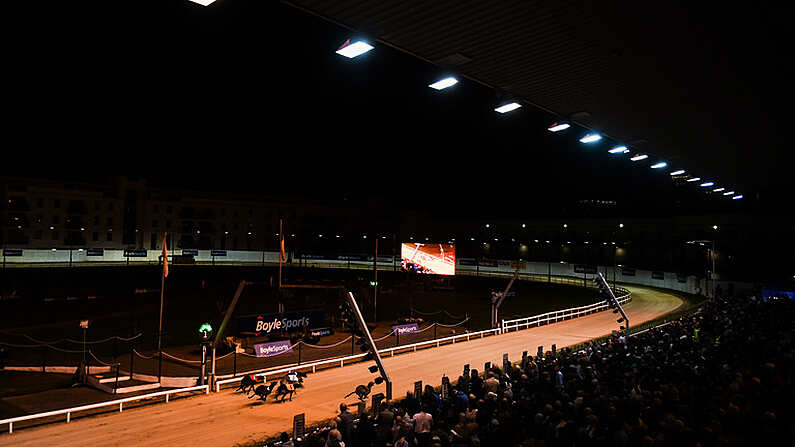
(273, 348)
(405, 329)
(264, 324)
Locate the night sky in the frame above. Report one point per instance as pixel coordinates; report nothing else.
(250, 97)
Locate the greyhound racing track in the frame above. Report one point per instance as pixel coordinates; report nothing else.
(228, 418)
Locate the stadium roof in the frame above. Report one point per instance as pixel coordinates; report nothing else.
(708, 86)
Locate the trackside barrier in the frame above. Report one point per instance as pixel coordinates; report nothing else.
(557, 315)
(120, 402)
(341, 360)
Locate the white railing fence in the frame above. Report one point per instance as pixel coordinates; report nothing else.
(119, 402)
(557, 315)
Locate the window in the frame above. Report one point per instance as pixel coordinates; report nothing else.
(55, 235)
(56, 203)
(39, 203)
(96, 220)
(109, 221)
(95, 236)
(250, 212)
(223, 211)
(96, 205)
(109, 236)
(110, 206)
(168, 224)
(155, 224)
(169, 210)
(153, 242)
(39, 219)
(155, 208)
(56, 219)
(37, 234)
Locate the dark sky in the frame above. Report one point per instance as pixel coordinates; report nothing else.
(249, 96)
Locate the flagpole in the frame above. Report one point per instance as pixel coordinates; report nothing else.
(281, 244)
(160, 325)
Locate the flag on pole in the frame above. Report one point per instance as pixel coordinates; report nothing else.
(283, 254)
(165, 257)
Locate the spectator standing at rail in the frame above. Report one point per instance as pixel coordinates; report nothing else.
(385, 421)
(422, 427)
(345, 424)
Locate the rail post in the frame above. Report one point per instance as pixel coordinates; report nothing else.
(299, 351)
(434, 330)
(234, 362)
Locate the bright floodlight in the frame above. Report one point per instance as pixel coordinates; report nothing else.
(619, 150)
(737, 197)
(590, 138)
(639, 157)
(659, 165)
(694, 179)
(444, 83)
(728, 193)
(351, 50)
(203, 2)
(679, 172)
(508, 107)
(558, 127)
(718, 189)
(705, 184)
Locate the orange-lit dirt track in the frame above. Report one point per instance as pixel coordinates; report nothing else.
(228, 418)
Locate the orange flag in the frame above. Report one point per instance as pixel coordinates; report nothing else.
(283, 255)
(165, 257)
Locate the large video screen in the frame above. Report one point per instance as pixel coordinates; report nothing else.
(435, 259)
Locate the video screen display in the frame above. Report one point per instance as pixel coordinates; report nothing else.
(434, 259)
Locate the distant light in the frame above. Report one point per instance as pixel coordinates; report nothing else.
(82, 229)
(338, 236)
(524, 225)
(714, 227)
(487, 225)
(590, 138)
(319, 235)
(53, 249)
(705, 184)
(694, 179)
(249, 233)
(79, 249)
(619, 150)
(226, 232)
(547, 242)
(728, 193)
(586, 242)
(737, 197)
(52, 228)
(203, 2)
(620, 225)
(565, 225)
(659, 165)
(384, 237)
(351, 50)
(679, 172)
(365, 236)
(495, 239)
(718, 189)
(472, 239)
(444, 83)
(639, 157)
(511, 106)
(558, 127)
(535, 240)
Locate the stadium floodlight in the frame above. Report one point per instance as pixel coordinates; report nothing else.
(590, 138)
(740, 196)
(694, 179)
(728, 193)
(505, 108)
(679, 172)
(639, 157)
(659, 165)
(203, 2)
(707, 184)
(718, 189)
(351, 50)
(557, 127)
(619, 150)
(444, 83)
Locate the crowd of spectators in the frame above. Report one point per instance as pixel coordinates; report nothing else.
(719, 377)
